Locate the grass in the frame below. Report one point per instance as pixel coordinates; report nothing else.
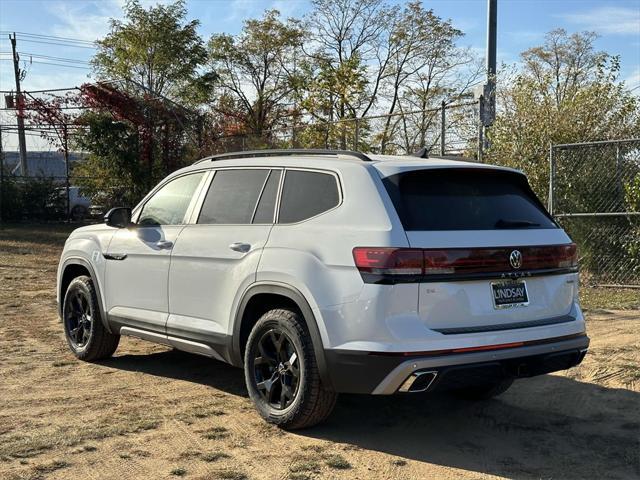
(338, 462)
(216, 433)
(51, 467)
(598, 298)
(230, 475)
(305, 465)
(214, 456)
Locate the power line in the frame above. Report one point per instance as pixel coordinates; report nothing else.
(59, 59)
(51, 63)
(52, 37)
(56, 43)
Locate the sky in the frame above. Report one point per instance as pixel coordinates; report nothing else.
(521, 25)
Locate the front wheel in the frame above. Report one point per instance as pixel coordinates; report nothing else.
(281, 372)
(87, 337)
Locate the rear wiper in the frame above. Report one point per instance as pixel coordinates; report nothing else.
(515, 224)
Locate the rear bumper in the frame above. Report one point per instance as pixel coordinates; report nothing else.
(383, 374)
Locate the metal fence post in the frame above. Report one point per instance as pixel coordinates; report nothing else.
(552, 173)
(480, 129)
(357, 135)
(619, 196)
(443, 129)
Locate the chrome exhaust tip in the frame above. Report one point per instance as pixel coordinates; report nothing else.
(418, 382)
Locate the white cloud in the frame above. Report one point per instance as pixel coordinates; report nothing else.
(633, 80)
(83, 20)
(608, 20)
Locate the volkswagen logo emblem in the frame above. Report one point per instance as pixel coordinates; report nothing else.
(515, 259)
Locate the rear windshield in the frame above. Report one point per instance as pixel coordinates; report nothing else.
(465, 199)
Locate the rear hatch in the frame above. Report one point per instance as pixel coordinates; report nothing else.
(493, 258)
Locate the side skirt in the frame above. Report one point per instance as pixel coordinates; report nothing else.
(213, 350)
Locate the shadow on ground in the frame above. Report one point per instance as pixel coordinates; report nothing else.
(544, 427)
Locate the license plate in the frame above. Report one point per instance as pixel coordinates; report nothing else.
(509, 294)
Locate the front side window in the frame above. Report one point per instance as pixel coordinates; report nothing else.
(169, 205)
(232, 196)
(307, 194)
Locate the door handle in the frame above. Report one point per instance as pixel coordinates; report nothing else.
(240, 247)
(164, 244)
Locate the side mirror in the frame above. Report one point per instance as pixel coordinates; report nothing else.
(119, 217)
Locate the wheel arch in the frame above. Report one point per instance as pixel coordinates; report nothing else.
(72, 268)
(260, 298)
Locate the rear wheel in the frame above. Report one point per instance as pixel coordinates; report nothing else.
(87, 337)
(485, 392)
(281, 372)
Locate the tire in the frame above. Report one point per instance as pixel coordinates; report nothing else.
(268, 367)
(484, 392)
(86, 335)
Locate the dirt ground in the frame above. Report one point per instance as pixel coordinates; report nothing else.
(150, 412)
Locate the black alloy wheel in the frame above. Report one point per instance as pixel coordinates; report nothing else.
(86, 334)
(78, 318)
(276, 369)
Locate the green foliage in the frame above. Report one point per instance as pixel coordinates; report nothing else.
(566, 92)
(632, 199)
(156, 48)
(111, 175)
(255, 71)
(34, 198)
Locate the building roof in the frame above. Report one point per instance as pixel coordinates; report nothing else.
(41, 163)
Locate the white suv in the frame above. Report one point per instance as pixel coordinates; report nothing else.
(322, 271)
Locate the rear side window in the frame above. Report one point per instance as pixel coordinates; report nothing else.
(232, 196)
(307, 194)
(267, 203)
(465, 199)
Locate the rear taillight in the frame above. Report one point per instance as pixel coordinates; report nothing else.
(388, 261)
(391, 265)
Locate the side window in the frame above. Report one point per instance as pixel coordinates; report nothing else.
(169, 204)
(267, 204)
(307, 194)
(232, 196)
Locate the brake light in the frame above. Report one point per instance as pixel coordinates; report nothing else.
(402, 264)
(388, 261)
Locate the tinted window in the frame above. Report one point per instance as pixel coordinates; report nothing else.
(465, 199)
(169, 204)
(307, 194)
(267, 203)
(232, 196)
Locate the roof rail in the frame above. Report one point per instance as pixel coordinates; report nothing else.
(284, 152)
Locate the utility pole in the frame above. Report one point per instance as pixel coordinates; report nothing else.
(19, 105)
(492, 22)
(487, 110)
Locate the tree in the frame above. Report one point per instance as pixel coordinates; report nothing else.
(565, 92)
(148, 65)
(112, 174)
(256, 71)
(155, 48)
(348, 58)
(423, 60)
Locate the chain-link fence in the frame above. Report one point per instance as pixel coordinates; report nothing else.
(53, 128)
(446, 130)
(595, 195)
